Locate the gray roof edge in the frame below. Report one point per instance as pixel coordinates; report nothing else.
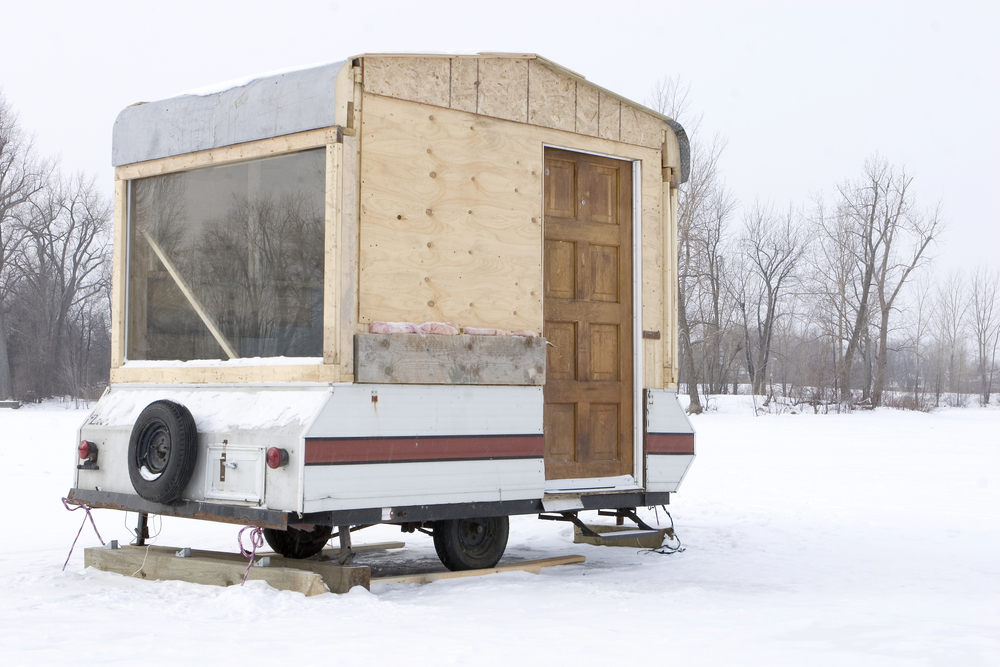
(269, 106)
(684, 144)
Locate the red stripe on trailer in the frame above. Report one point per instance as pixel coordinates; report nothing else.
(321, 451)
(670, 443)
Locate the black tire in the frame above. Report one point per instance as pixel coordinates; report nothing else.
(471, 544)
(295, 543)
(162, 451)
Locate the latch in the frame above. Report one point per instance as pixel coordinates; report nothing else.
(223, 465)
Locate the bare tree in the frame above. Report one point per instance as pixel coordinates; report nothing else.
(62, 264)
(771, 248)
(21, 177)
(704, 208)
(887, 240)
(950, 309)
(984, 322)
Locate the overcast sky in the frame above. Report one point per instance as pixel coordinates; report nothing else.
(803, 91)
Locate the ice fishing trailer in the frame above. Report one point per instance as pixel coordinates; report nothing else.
(262, 229)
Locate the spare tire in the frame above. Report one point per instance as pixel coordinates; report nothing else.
(162, 451)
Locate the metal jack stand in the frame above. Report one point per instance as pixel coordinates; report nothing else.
(346, 556)
(142, 530)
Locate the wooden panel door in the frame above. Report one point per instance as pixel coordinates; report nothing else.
(588, 316)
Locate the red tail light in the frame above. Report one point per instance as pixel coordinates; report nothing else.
(87, 450)
(277, 458)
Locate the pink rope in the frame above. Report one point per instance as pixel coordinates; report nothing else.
(256, 541)
(84, 506)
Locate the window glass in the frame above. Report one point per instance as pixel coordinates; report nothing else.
(227, 262)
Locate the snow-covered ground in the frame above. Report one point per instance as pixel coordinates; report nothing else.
(864, 539)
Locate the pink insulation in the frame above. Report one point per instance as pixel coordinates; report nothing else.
(441, 329)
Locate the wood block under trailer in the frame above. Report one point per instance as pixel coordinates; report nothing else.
(306, 576)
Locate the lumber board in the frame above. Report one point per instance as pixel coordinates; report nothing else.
(348, 258)
(533, 566)
(228, 154)
(643, 541)
(430, 359)
(218, 569)
(333, 222)
(118, 271)
(210, 374)
(362, 548)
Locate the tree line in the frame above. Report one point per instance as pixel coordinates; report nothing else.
(830, 303)
(55, 274)
(827, 304)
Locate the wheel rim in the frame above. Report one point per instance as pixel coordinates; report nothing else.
(153, 450)
(475, 537)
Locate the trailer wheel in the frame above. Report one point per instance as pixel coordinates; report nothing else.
(162, 451)
(296, 543)
(471, 544)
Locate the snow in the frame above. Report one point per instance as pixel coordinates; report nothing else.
(870, 538)
(217, 408)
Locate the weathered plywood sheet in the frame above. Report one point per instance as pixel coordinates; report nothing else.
(503, 88)
(464, 84)
(587, 110)
(551, 98)
(424, 80)
(416, 359)
(640, 128)
(520, 89)
(609, 117)
(450, 219)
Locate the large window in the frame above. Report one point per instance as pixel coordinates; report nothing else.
(227, 262)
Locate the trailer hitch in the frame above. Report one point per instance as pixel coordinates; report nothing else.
(626, 512)
(573, 519)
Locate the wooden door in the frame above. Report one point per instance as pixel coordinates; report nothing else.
(588, 316)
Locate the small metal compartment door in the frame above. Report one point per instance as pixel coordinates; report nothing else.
(235, 474)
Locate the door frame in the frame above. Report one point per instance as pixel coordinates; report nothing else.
(638, 403)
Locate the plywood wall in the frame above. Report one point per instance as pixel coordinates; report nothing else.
(519, 89)
(451, 219)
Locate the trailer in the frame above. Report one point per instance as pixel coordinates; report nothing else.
(315, 281)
